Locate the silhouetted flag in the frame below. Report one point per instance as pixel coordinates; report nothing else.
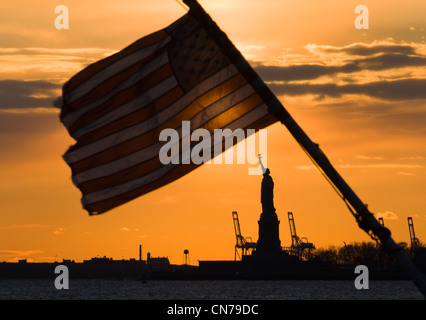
(117, 107)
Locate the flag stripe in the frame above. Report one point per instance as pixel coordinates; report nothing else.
(243, 122)
(127, 64)
(109, 82)
(170, 175)
(96, 67)
(147, 159)
(150, 137)
(152, 122)
(146, 91)
(156, 63)
(135, 117)
(80, 151)
(152, 77)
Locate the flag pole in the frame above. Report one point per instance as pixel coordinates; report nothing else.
(360, 211)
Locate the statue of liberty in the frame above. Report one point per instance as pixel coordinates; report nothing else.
(269, 238)
(267, 190)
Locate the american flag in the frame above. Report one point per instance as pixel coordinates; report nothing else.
(116, 108)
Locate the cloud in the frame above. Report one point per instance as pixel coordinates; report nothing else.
(380, 166)
(321, 62)
(56, 232)
(47, 63)
(388, 215)
(413, 158)
(397, 90)
(306, 168)
(365, 49)
(167, 199)
(383, 70)
(19, 253)
(59, 232)
(126, 229)
(330, 60)
(313, 71)
(367, 166)
(390, 61)
(369, 157)
(367, 114)
(22, 69)
(416, 29)
(402, 173)
(27, 94)
(71, 52)
(301, 72)
(24, 226)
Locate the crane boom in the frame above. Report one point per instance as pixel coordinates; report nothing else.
(299, 246)
(294, 237)
(415, 243)
(242, 243)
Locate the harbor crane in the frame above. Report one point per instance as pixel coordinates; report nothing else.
(299, 246)
(245, 244)
(415, 242)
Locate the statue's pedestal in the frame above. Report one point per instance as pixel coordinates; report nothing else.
(269, 234)
(267, 264)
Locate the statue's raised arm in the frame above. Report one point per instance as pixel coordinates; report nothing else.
(261, 164)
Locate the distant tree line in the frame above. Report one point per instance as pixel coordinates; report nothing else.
(370, 254)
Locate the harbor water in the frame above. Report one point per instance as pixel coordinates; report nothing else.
(207, 290)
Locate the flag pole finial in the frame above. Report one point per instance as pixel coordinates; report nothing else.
(183, 6)
(192, 4)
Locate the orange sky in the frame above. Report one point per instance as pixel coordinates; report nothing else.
(358, 93)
